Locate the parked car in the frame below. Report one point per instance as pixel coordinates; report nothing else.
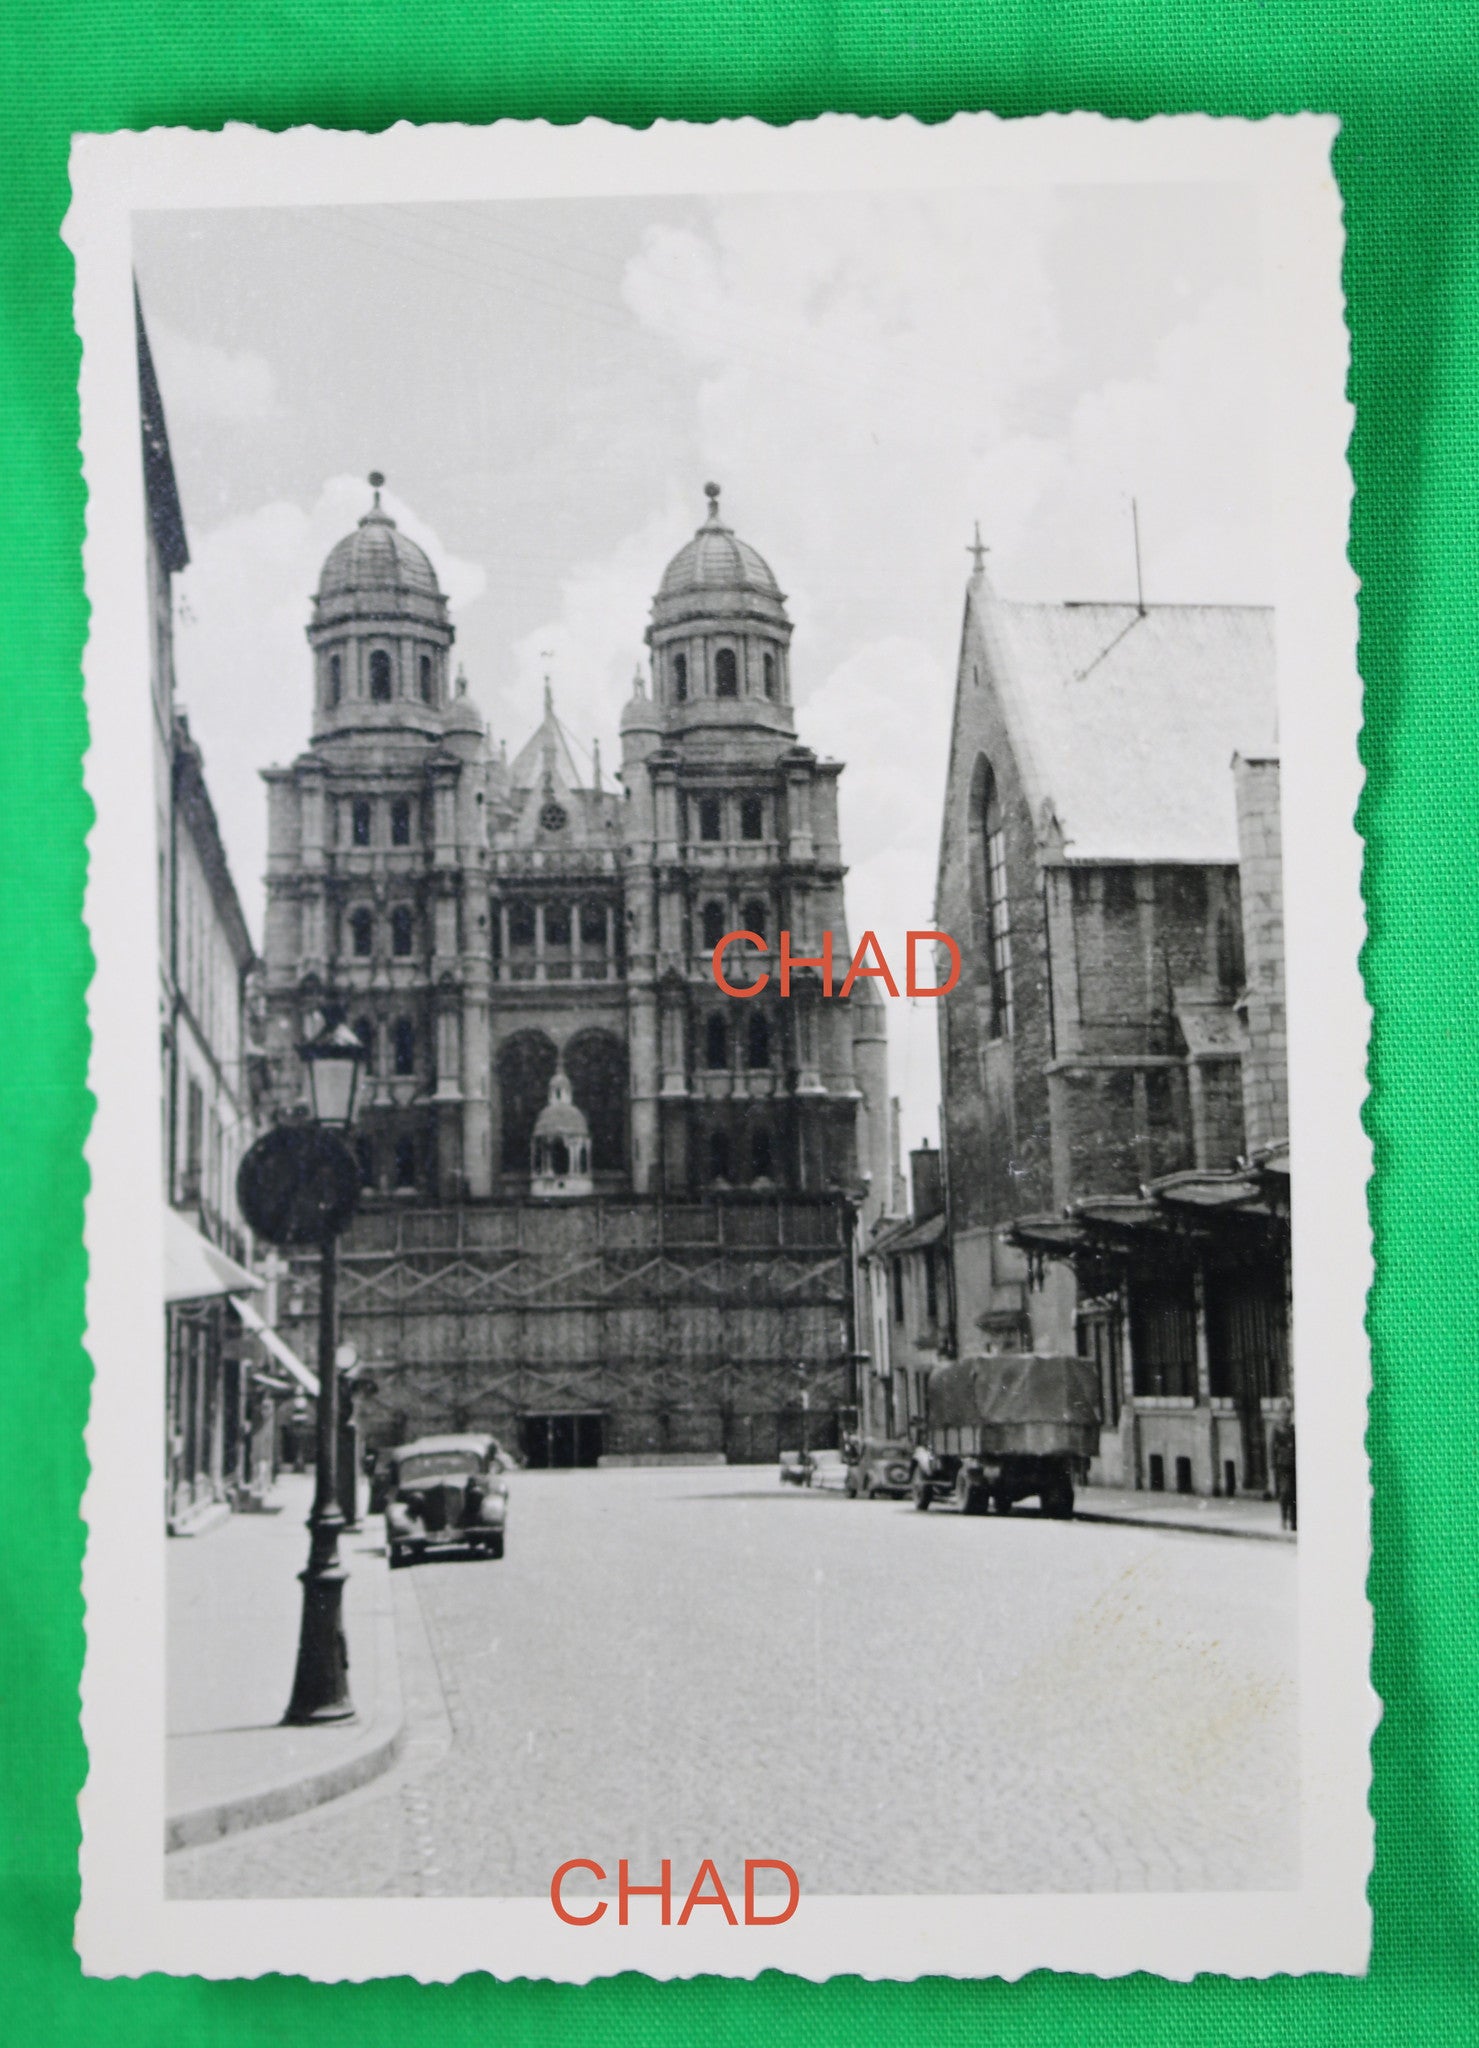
(380, 1465)
(829, 1471)
(445, 1493)
(879, 1469)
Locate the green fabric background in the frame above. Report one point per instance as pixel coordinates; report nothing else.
(1403, 78)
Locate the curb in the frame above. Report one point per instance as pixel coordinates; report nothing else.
(256, 1808)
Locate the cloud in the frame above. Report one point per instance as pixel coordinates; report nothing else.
(209, 383)
(242, 662)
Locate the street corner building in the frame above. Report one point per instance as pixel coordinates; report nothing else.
(1115, 1096)
(607, 1211)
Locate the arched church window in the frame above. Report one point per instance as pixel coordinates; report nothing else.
(557, 924)
(592, 924)
(402, 931)
(757, 1040)
(760, 1159)
(362, 934)
(359, 821)
(521, 924)
(718, 1155)
(380, 691)
(405, 1162)
(752, 818)
(756, 916)
(714, 925)
(770, 675)
(680, 678)
(336, 679)
(716, 1041)
(710, 818)
(427, 692)
(400, 822)
(726, 673)
(404, 1039)
(992, 901)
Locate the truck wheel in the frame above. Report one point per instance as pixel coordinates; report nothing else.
(1057, 1499)
(919, 1492)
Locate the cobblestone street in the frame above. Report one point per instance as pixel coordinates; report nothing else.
(700, 1662)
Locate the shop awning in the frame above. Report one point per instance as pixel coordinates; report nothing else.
(197, 1270)
(280, 1351)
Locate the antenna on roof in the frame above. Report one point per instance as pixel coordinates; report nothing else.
(1139, 580)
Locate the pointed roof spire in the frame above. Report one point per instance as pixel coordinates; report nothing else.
(596, 765)
(639, 682)
(978, 551)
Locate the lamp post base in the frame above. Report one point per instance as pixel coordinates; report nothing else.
(321, 1682)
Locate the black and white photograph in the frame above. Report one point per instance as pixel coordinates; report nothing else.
(726, 912)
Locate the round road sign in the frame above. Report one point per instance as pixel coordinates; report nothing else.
(298, 1185)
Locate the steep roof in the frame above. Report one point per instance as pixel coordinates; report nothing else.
(1126, 721)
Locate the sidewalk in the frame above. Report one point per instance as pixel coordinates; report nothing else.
(233, 1605)
(1243, 1515)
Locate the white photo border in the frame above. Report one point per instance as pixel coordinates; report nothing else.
(125, 1925)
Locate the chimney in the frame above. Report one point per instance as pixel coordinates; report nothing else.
(929, 1188)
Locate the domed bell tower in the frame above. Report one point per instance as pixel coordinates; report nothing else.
(732, 825)
(380, 633)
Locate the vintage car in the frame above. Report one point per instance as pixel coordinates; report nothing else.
(828, 1472)
(878, 1469)
(445, 1493)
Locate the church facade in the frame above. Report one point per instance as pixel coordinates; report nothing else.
(557, 1097)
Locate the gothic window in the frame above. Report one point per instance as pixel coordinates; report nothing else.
(592, 924)
(336, 679)
(380, 676)
(426, 686)
(405, 1162)
(716, 1041)
(991, 901)
(557, 924)
(404, 1040)
(760, 1161)
(680, 678)
(726, 673)
(359, 821)
(362, 934)
(402, 931)
(596, 1062)
(400, 822)
(521, 924)
(752, 818)
(526, 1063)
(757, 1040)
(755, 915)
(718, 1155)
(710, 818)
(770, 675)
(714, 925)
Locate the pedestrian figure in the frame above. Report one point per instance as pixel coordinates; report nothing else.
(1281, 1457)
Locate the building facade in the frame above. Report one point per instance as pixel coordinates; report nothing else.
(907, 1279)
(208, 1087)
(527, 956)
(1115, 1041)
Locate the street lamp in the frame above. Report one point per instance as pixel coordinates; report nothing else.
(299, 1185)
(333, 1060)
(321, 1681)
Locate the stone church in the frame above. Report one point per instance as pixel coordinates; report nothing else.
(607, 1210)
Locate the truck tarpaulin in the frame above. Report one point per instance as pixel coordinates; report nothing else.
(1019, 1401)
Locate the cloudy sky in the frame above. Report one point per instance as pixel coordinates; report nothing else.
(548, 385)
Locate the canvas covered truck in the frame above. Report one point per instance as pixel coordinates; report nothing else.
(1002, 1426)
